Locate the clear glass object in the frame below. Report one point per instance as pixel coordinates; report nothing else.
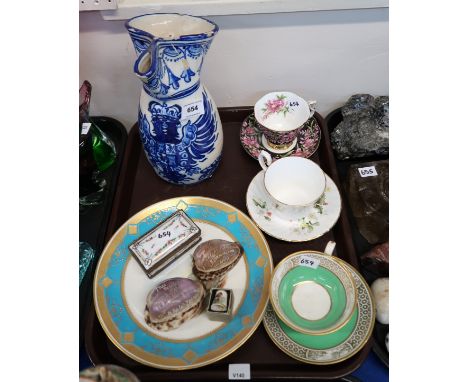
(86, 258)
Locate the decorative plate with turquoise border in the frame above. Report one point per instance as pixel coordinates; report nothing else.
(121, 287)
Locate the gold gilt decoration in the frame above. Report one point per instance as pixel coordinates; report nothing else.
(132, 229)
(128, 337)
(232, 217)
(190, 355)
(182, 205)
(106, 282)
(246, 321)
(260, 261)
(116, 311)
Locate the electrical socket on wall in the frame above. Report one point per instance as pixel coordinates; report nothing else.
(97, 5)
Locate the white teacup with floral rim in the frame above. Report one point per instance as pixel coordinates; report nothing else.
(293, 183)
(280, 116)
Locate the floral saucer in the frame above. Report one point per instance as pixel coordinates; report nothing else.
(333, 347)
(308, 139)
(315, 220)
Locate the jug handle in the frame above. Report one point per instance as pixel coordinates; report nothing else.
(148, 54)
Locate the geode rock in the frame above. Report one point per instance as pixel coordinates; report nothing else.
(365, 128)
(368, 198)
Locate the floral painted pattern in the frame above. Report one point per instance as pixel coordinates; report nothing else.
(292, 224)
(308, 222)
(321, 202)
(308, 139)
(262, 205)
(276, 106)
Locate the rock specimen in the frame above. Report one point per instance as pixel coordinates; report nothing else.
(369, 200)
(377, 260)
(172, 302)
(364, 129)
(213, 259)
(380, 253)
(380, 290)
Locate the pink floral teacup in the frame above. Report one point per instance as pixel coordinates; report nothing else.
(280, 116)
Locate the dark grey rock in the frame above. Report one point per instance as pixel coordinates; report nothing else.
(364, 130)
(358, 103)
(381, 108)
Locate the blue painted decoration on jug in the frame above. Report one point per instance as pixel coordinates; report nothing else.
(178, 120)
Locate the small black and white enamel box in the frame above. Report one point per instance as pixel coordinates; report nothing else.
(220, 304)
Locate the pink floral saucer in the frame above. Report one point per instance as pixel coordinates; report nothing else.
(308, 139)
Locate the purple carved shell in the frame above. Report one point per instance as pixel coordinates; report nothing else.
(172, 298)
(214, 255)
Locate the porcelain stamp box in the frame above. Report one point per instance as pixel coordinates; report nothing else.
(165, 243)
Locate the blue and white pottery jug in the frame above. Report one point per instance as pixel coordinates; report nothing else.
(179, 123)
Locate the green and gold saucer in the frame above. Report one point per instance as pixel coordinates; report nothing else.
(332, 347)
(312, 293)
(300, 282)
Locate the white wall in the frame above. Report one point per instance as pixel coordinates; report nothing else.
(326, 55)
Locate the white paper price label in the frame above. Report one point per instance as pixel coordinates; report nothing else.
(193, 109)
(239, 371)
(85, 127)
(367, 171)
(309, 261)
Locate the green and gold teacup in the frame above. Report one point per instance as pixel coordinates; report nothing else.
(313, 293)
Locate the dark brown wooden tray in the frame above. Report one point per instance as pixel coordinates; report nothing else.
(140, 187)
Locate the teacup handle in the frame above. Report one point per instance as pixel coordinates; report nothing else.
(264, 158)
(330, 248)
(312, 107)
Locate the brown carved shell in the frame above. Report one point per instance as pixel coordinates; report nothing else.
(215, 255)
